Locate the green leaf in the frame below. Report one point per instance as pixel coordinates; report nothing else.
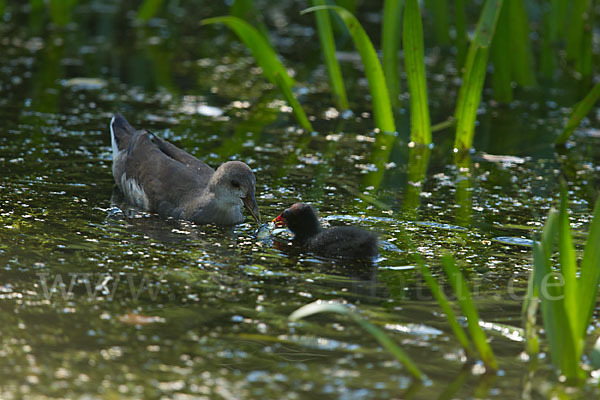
(568, 268)
(468, 308)
(576, 26)
(442, 300)
(460, 25)
(382, 110)
(501, 46)
(61, 11)
(335, 307)
(441, 24)
(521, 54)
(390, 44)
(328, 50)
(245, 9)
(148, 9)
(581, 110)
(563, 347)
(469, 94)
(414, 61)
(261, 50)
(590, 272)
(266, 58)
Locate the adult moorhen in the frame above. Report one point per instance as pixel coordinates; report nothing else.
(338, 241)
(157, 176)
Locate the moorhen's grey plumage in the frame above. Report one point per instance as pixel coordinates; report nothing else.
(157, 176)
(338, 241)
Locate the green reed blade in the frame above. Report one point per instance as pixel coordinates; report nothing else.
(444, 303)
(550, 296)
(335, 307)
(61, 11)
(501, 46)
(441, 24)
(459, 284)
(349, 5)
(460, 24)
(473, 78)
(328, 50)
(575, 28)
(529, 316)
(581, 110)
(521, 54)
(584, 63)
(568, 265)
(266, 58)
(590, 272)
(245, 10)
(382, 110)
(414, 63)
(564, 349)
(390, 44)
(148, 9)
(261, 50)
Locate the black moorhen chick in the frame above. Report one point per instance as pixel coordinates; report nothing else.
(338, 241)
(155, 175)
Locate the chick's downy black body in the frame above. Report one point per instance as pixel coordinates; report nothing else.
(338, 241)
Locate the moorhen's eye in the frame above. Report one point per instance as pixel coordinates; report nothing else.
(235, 184)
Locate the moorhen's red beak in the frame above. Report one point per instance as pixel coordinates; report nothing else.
(251, 206)
(279, 221)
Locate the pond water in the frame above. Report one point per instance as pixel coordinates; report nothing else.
(99, 300)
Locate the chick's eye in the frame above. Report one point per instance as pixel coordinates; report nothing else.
(235, 184)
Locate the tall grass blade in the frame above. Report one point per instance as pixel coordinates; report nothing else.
(460, 25)
(564, 350)
(579, 112)
(470, 91)
(328, 50)
(590, 271)
(245, 9)
(553, 26)
(262, 52)
(390, 44)
(349, 5)
(468, 308)
(382, 110)
(521, 55)
(266, 58)
(528, 313)
(549, 294)
(575, 31)
(148, 9)
(501, 47)
(444, 303)
(335, 307)
(441, 24)
(568, 268)
(414, 61)
(61, 11)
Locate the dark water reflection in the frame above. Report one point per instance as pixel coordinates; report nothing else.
(153, 308)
